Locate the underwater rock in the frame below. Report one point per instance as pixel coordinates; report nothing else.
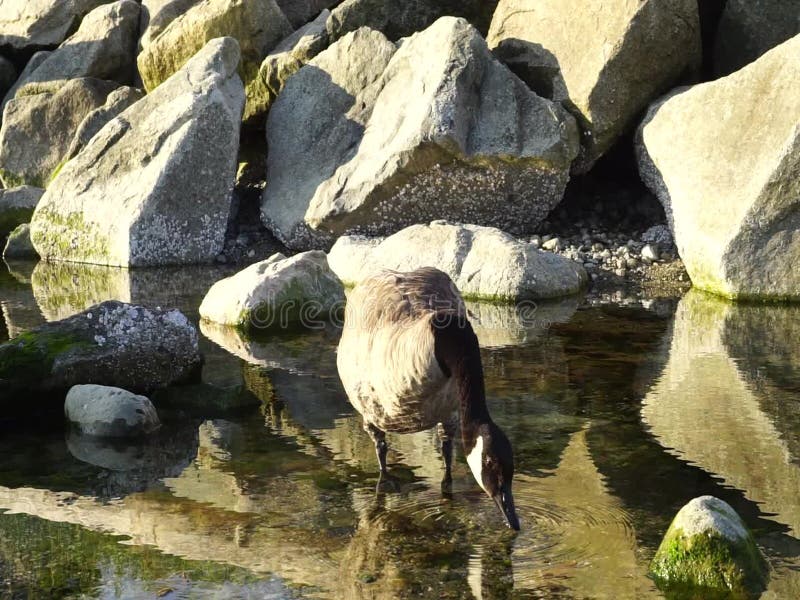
(110, 411)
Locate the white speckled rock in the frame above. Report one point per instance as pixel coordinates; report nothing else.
(103, 48)
(153, 187)
(723, 157)
(276, 293)
(369, 138)
(605, 61)
(709, 546)
(110, 411)
(112, 343)
(484, 262)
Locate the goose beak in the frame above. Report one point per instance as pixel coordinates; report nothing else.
(505, 502)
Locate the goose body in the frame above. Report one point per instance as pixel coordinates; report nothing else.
(409, 361)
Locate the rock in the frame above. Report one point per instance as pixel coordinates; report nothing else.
(16, 207)
(37, 130)
(364, 139)
(8, 75)
(728, 179)
(709, 548)
(485, 263)
(650, 252)
(300, 12)
(658, 234)
(102, 48)
(748, 28)
(605, 63)
(153, 187)
(284, 61)
(400, 19)
(29, 25)
(258, 26)
(277, 293)
(31, 66)
(19, 244)
(109, 411)
(553, 245)
(112, 343)
(116, 102)
(157, 14)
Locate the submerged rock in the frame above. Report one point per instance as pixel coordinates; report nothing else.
(110, 411)
(484, 263)
(258, 26)
(709, 548)
(369, 138)
(102, 48)
(153, 187)
(112, 343)
(604, 62)
(723, 158)
(38, 129)
(277, 293)
(19, 244)
(16, 207)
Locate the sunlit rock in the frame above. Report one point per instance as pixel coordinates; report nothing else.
(714, 392)
(116, 102)
(709, 548)
(32, 64)
(723, 158)
(109, 411)
(370, 137)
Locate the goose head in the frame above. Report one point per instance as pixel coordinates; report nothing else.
(491, 461)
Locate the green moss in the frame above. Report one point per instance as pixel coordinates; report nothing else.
(12, 180)
(61, 231)
(12, 218)
(708, 562)
(30, 356)
(56, 171)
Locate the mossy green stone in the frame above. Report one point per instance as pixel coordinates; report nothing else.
(30, 356)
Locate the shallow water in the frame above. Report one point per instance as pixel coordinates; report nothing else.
(262, 484)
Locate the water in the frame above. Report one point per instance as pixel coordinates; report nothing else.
(262, 484)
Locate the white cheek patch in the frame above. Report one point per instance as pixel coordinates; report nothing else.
(475, 461)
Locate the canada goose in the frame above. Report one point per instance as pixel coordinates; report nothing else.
(409, 361)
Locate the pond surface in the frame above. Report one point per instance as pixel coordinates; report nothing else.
(262, 484)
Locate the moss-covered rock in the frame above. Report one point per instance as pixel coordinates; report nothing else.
(16, 207)
(708, 550)
(19, 244)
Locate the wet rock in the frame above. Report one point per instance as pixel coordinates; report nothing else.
(31, 66)
(8, 75)
(484, 263)
(16, 207)
(258, 26)
(109, 411)
(153, 187)
(709, 548)
(606, 63)
(18, 245)
(277, 293)
(732, 201)
(112, 344)
(102, 48)
(37, 130)
(437, 128)
(116, 102)
(300, 12)
(28, 25)
(748, 28)
(284, 61)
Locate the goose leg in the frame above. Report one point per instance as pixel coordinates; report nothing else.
(446, 432)
(381, 447)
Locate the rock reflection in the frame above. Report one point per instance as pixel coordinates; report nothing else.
(726, 400)
(498, 325)
(17, 303)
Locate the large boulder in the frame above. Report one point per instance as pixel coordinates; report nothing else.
(16, 207)
(103, 48)
(709, 549)
(19, 245)
(37, 130)
(116, 102)
(605, 62)
(300, 12)
(31, 66)
(284, 61)
(106, 411)
(369, 138)
(154, 186)
(724, 159)
(484, 263)
(277, 293)
(29, 25)
(157, 14)
(748, 28)
(112, 343)
(8, 75)
(258, 25)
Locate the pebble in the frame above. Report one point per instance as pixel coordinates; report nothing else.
(650, 252)
(552, 244)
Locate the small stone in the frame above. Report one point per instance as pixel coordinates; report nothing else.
(650, 252)
(552, 244)
(536, 241)
(620, 272)
(632, 263)
(110, 411)
(598, 247)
